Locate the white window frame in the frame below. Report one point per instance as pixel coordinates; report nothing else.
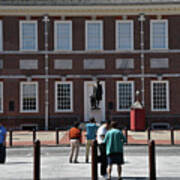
(101, 37)
(71, 96)
(166, 33)
(21, 97)
(117, 34)
(167, 95)
(1, 35)
(36, 34)
(55, 35)
(117, 94)
(1, 95)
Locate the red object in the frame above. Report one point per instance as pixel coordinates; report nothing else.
(137, 119)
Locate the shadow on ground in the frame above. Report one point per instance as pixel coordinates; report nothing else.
(16, 163)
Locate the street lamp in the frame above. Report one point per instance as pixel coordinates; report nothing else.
(141, 20)
(46, 20)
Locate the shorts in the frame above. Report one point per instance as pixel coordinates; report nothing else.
(115, 158)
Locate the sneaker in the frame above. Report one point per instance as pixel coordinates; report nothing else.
(87, 161)
(70, 161)
(76, 161)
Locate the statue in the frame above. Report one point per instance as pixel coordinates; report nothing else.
(96, 97)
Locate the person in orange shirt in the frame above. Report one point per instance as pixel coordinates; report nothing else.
(75, 140)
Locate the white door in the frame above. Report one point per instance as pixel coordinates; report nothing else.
(98, 114)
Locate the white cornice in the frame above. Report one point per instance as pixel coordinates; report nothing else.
(90, 10)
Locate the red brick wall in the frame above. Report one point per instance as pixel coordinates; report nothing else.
(11, 67)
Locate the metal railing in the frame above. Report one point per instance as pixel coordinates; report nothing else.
(58, 137)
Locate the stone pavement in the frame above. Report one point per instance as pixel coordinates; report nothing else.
(55, 165)
(25, 138)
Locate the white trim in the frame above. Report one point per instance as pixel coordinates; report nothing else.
(167, 96)
(117, 34)
(71, 96)
(86, 9)
(101, 37)
(55, 35)
(166, 34)
(20, 35)
(117, 94)
(21, 97)
(1, 95)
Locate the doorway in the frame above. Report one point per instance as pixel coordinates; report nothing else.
(99, 113)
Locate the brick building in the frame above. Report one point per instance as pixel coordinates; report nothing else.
(52, 52)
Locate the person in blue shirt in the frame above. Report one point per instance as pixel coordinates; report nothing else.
(114, 140)
(91, 129)
(2, 143)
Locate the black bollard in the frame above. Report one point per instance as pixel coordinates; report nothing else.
(57, 136)
(10, 138)
(103, 159)
(152, 161)
(37, 160)
(172, 136)
(94, 161)
(126, 135)
(34, 135)
(149, 134)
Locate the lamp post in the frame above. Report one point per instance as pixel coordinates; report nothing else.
(46, 20)
(142, 19)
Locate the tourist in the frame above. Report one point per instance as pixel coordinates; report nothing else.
(114, 140)
(101, 132)
(91, 129)
(75, 139)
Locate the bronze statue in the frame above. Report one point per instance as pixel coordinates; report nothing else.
(96, 97)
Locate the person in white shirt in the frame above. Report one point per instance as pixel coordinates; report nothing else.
(101, 132)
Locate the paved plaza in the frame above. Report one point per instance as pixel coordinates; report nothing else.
(55, 165)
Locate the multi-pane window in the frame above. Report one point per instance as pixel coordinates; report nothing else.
(159, 96)
(1, 97)
(159, 34)
(94, 35)
(124, 35)
(63, 35)
(28, 35)
(125, 95)
(1, 36)
(29, 97)
(63, 98)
